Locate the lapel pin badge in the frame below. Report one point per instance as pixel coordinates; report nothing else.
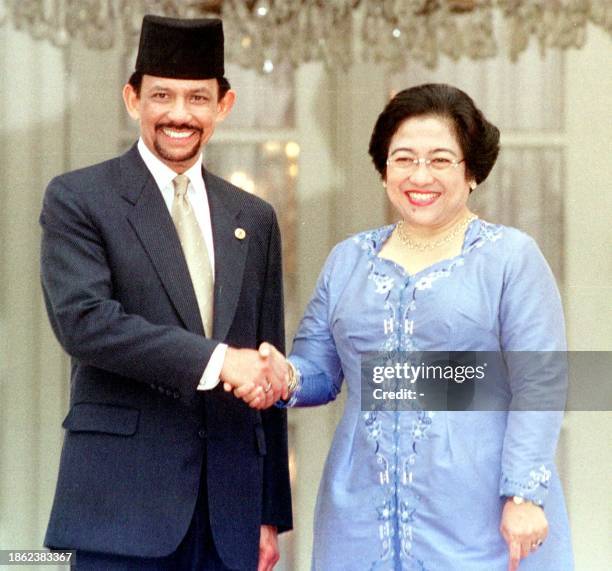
(240, 233)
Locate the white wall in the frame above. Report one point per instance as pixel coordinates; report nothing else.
(59, 112)
(33, 103)
(588, 215)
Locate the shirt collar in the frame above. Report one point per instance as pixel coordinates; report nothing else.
(163, 174)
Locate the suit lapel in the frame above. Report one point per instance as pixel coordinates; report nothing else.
(153, 225)
(230, 254)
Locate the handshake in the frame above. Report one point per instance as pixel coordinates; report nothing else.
(259, 378)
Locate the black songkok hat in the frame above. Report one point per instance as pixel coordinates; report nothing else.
(180, 48)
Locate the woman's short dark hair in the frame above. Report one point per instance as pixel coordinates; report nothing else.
(478, 139)
(135, 81)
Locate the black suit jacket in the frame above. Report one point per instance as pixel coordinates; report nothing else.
(121, 303)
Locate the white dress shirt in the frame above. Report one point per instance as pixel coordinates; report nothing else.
(196, 193)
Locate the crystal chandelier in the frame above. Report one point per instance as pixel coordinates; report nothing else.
(264, 33)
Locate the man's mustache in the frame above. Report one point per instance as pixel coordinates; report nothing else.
(179, 127)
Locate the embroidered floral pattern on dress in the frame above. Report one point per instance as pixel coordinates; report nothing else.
(397, 512)
(535, 489)
(369, 240)
(382, 282)
(386, 510)
(539, 477)
(490, 232)
(420, 426)
(373, 427)
(427, 281)
(418, 432)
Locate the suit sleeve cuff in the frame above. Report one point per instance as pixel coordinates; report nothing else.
(210, 378)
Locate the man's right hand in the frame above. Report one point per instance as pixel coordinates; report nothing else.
(258, 377)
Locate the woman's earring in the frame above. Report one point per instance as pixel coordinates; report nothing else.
(473, 185)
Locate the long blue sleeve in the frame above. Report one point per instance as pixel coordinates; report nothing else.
(314, 352)
(531, 319)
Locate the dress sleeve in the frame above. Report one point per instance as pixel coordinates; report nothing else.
(533, 343)
(314, 351)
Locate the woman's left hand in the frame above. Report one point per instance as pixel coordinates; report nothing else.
(524, 527)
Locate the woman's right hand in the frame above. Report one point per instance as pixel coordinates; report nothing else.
(257, 377)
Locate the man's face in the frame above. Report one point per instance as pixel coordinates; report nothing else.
(177, 116)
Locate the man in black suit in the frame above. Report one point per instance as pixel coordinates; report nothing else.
(159, 287)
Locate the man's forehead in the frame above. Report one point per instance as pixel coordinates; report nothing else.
(152, 81)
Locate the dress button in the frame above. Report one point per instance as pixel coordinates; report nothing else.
(202, 433)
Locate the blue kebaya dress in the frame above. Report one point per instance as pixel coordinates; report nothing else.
(422, 490)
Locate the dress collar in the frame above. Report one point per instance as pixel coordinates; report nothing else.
(374, 239)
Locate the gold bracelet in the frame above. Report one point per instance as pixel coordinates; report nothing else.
(294, 378)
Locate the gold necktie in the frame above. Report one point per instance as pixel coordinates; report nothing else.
(195, 251)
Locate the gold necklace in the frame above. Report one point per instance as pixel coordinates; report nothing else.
(405, 238)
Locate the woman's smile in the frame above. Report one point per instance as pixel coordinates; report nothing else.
(421, 197)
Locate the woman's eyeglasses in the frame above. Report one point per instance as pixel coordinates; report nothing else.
(409, 164)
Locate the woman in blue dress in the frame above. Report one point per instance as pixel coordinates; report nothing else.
(434, 490)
